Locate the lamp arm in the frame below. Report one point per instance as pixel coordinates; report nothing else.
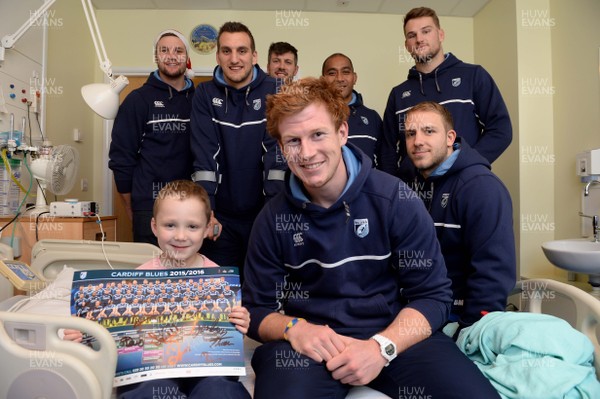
(105, 64)
(102, 98)
(9, 40)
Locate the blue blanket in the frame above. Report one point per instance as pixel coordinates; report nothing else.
(532, 356)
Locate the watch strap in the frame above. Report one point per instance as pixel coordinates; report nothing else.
(387, 347)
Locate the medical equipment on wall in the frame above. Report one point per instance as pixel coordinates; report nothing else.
(102, 98)
(9, 41)
(10, 176)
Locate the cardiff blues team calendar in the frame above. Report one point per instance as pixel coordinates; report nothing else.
(166, 323)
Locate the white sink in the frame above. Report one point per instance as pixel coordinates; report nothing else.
(580, 255)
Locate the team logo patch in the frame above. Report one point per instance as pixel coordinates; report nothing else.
(406, 94)
(445, 198)
(217, 102)
(361, 227)
(158, 104)
(456, 82)
(82, 275)
(365, 120)
(298, 239)
(257, 103)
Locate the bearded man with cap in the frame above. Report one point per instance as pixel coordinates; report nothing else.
(151, 133)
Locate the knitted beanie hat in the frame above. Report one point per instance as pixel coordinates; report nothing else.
(189, 72)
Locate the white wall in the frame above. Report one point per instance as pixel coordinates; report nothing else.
(547, 67)
(576, 108)
(71, 65)
(536, 128)
(495, 30)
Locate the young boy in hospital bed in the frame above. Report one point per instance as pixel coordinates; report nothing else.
(180, 223)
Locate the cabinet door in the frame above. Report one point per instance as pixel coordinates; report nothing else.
(92, 232)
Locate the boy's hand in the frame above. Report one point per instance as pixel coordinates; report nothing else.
(240, 318)
(73, 335)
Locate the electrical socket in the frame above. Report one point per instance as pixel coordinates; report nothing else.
(84, 184)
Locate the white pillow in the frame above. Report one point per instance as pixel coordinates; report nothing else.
(55, 299)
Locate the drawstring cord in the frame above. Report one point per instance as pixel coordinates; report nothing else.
(437, 85)
(226, 100)
(347, 209)
(246, 97)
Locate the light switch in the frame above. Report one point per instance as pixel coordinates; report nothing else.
(77, 136)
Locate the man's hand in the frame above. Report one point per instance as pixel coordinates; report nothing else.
(320, 343)
(126, 197)
(214, 228)
(359, 363)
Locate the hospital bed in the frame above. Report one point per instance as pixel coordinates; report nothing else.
(6, 288)
(49, 258)
(579, 308)
(36, 363)
(6, 251)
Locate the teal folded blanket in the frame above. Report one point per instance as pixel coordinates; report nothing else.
(532, 356)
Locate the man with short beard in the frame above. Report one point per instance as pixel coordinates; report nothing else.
(467, 90)
(151, 134)
(462, 195)
(282, 62)
(235, 159)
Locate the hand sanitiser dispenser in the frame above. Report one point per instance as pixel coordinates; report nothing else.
(588, 169)
(588, 163)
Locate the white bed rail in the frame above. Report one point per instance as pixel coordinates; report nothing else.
(49, 256)
(37, 363)
(587, 307)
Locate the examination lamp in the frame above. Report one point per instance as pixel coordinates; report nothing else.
(102, 98)
(9, 41)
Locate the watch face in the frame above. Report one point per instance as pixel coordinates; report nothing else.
(389, 349)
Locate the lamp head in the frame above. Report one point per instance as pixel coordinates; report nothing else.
(103, 98)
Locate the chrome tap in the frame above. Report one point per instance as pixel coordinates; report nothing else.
(586, 189)
(595, 225)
